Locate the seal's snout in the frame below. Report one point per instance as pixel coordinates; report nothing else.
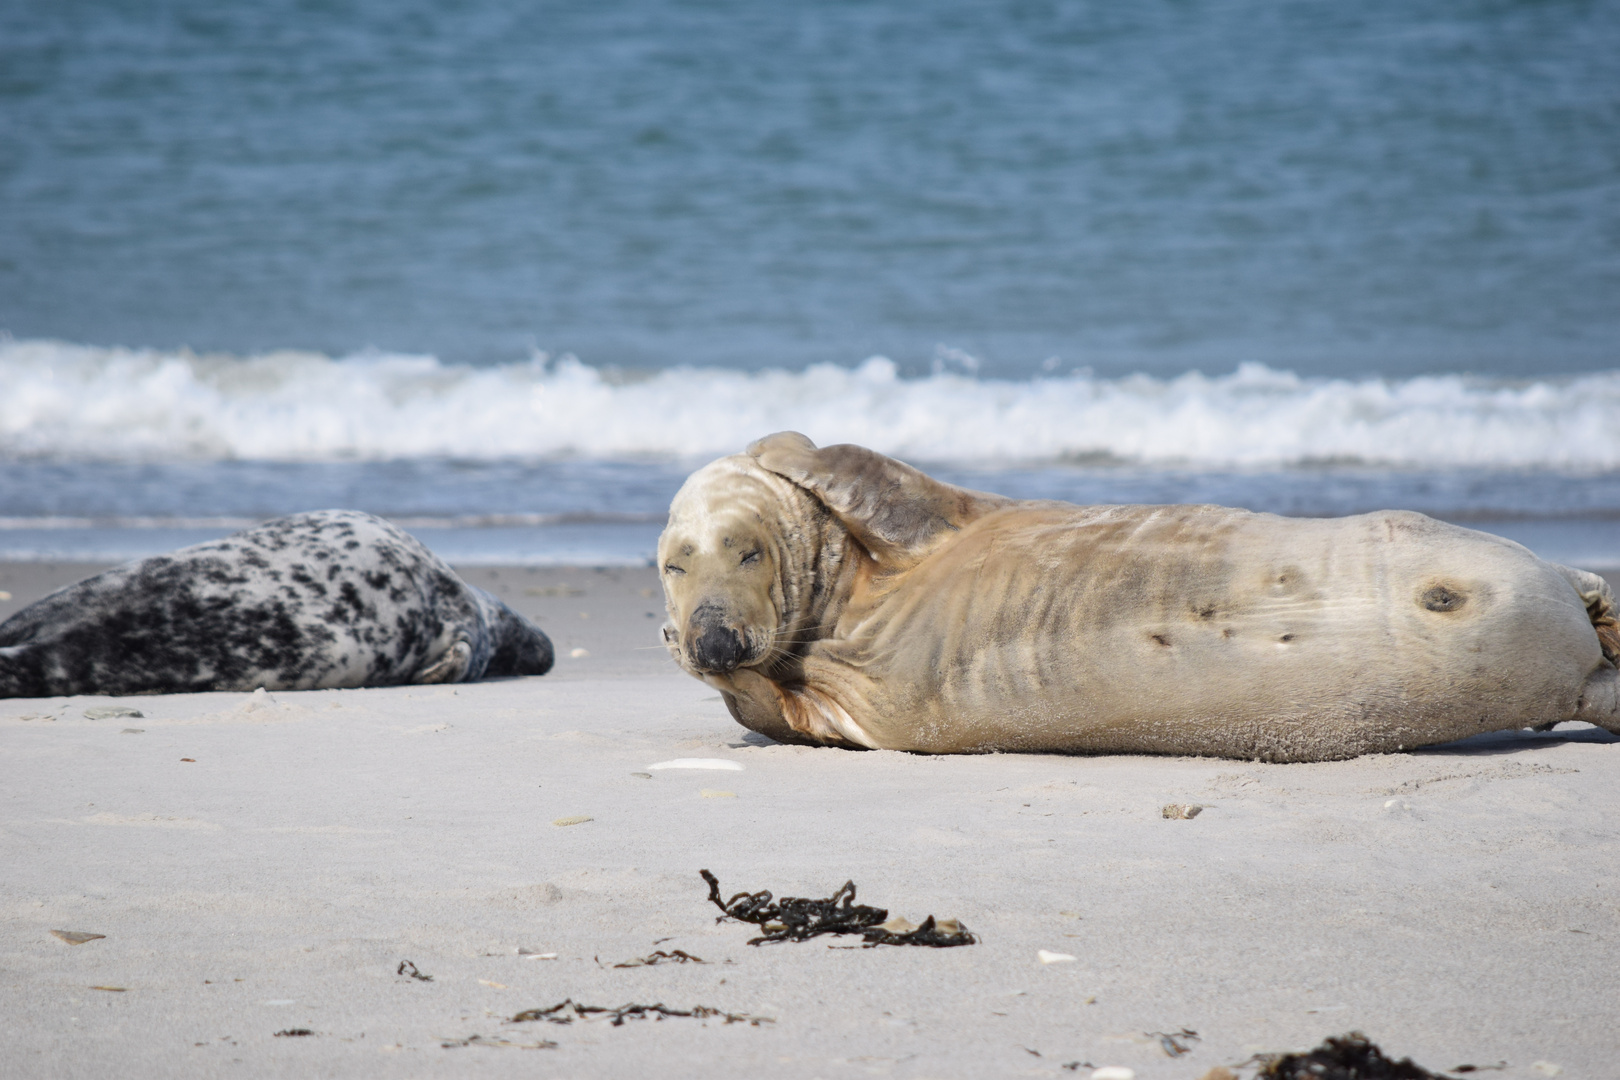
(712, 643)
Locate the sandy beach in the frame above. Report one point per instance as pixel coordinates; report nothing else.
(264, 865)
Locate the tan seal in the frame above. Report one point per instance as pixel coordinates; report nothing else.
(839, 596)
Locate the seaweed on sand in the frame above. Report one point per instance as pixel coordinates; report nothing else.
(1348, 1057)
(566, 1012)
(678, 956)
(796, 918)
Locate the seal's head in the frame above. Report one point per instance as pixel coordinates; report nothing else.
(740, 559)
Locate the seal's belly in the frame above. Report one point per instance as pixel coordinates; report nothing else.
(1205, 629)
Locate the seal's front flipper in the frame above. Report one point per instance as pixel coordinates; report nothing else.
(896, 512)
(758, 705)
(451, 667)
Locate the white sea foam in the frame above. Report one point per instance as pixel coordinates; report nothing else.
(69, 401)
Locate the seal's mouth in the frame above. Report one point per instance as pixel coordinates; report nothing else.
(714, 643)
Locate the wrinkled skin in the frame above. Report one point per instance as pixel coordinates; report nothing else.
(837, 596)
(750, 563)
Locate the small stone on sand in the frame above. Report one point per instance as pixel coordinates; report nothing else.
(1181, 811)
(576, 819)
(578, 653)
(714, 793)
(259, 699)
(76, 937)
(1113, 1072)
(643, 775)
(1054, 957)
(110, 712)
(133, 731)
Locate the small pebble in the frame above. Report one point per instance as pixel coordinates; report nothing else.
(76, 937)
(643, 775)
(259, 699)
(578, 653)
(1113, 1072)
(1054, 957)
(133, 731)
(1181, 811)
(714, 793)
(1546, 1068)
(577, 819)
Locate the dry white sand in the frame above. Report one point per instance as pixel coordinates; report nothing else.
(261, 866)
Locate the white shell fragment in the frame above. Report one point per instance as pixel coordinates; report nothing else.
(574, 819)
(1113, 1072)
(697, 763)
(1054, 957)
(110, 712)
(716, 793)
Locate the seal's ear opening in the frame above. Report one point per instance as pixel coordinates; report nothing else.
(898, 513)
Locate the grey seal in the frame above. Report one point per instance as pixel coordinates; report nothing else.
(838, 596)
(332, 598)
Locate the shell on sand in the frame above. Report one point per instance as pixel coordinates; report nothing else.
(697, 763)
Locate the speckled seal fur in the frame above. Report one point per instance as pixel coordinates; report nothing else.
(333, 598)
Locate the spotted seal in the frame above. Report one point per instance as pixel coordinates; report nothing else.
(838, 596)
(333, 598)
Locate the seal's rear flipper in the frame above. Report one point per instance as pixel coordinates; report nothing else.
(896, 512)
(1598, 597)
(1600, 699)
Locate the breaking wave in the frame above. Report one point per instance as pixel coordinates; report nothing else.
(64, 401)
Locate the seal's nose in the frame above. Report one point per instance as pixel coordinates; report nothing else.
(712, 644)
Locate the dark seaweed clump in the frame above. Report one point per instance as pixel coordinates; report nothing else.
(1348, 1057)
(799, 919)
(566, 1012)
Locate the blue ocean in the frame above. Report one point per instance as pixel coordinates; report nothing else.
(505, 272)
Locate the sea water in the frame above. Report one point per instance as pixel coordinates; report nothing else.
(506, 272)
